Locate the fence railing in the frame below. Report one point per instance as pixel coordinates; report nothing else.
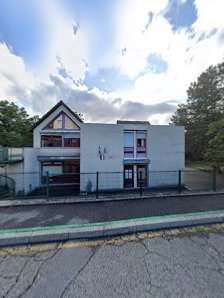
(8, 183)
(3, 154)
(130, 183)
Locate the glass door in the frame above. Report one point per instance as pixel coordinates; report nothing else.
(143, 170)
(128, 176)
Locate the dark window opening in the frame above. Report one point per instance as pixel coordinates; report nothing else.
(72, 142)
(51, 141)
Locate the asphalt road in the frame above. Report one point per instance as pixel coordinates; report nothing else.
(173, 263)
(60, 214)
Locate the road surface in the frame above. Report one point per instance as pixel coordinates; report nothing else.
(185, 262)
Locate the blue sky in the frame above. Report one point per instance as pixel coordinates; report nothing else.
(105, 57)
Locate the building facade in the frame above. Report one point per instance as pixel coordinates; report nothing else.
(68, 151)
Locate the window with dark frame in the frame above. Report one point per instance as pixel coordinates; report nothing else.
(72, 142)
(51, 141)
(141, 144)
(58, 141)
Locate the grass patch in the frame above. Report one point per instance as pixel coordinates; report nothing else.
(197, 165)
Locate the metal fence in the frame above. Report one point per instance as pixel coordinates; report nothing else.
(115, 184)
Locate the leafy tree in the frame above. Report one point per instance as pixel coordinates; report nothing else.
(215, 151)
(205, 104)
(15, 125)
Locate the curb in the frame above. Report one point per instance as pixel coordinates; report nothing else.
(60, 200)
(96, 230)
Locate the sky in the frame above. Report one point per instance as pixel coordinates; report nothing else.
(107, 59)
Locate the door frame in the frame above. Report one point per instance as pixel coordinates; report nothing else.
(128, 172)
(145, 180)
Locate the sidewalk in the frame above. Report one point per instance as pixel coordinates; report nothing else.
(55, 222)
(102, 197)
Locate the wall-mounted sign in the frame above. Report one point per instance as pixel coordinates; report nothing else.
(102, 152)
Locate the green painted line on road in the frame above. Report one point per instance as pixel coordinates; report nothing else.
(106, 223)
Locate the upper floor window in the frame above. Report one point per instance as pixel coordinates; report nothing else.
(135, 144)
(72, 142)
(129, 144)
(141, 144)
(62, 121)
(60, 141)
(51, 141)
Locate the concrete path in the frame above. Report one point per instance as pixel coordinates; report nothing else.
(92, 212)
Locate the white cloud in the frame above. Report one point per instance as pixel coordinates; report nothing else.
(210, 15)
(186, 52)
(39, 96)
(67, 48)
(141, 30)
(13, 74)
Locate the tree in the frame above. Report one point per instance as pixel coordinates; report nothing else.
(215, 151)
(15, 125)
(205, 104)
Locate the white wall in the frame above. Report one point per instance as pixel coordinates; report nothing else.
(166, 151)
(106, 136)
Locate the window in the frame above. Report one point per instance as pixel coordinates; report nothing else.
(62, 121)
(128, 144)
(68, 123)
(60, 172)
(56, 124)
(141, 144)
(128, 174)
(72, 142)
(51, 141)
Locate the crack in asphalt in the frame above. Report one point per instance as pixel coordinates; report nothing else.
(17, 278)
(21, 271)
(80, 271)
(149, 275)
(204, 246)
(37, 273)
(3, 259)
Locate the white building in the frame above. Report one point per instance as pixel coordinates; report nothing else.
(72, 152)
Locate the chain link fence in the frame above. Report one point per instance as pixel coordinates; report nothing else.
(114, 184)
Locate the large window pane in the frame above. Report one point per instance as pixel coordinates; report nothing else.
(57, 123)
(69, 124)
(128, 144)
(128, 139)
(51, 141)
(72, 142)
(141, 144)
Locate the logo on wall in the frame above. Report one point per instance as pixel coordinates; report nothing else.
(102, 152)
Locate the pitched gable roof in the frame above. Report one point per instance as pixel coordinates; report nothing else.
(52, 110)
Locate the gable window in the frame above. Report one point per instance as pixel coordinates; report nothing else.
(51, 141)
(62, 121)
(57, 123)
(68, 123)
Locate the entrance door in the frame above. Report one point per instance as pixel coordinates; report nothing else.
(128, 176)
(143, 170)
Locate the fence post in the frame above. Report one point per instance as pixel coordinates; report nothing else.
(97, 184)
(214, 179)
(47, 182)
(140, 183)
(179, 181)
